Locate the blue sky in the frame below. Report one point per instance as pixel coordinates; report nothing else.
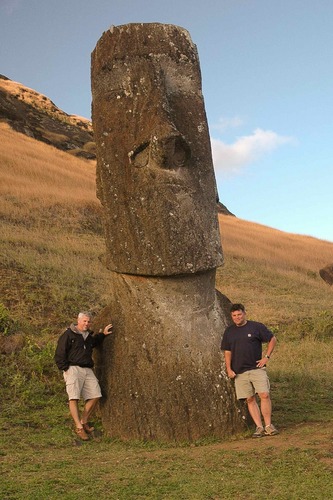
(267, 71)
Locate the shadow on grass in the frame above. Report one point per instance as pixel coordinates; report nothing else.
(300, 398)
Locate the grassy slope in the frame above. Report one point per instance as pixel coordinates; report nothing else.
(274, 273)
(52, 233)
(50, 267)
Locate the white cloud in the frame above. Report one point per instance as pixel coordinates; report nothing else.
(227, 123)
(232, 158)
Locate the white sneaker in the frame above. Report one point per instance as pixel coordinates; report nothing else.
(270, 430)
(259, 432)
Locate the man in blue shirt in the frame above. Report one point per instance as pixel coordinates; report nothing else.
(242, 346)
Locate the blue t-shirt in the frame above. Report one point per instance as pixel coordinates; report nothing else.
(245, 344)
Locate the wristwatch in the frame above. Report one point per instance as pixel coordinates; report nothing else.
(266, 356)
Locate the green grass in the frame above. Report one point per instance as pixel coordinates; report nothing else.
(40, 457)
(39, 465)
(41, 460)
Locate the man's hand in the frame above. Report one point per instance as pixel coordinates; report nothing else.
(231, 373)
(262, 362)
(108, 329)
(227, 358)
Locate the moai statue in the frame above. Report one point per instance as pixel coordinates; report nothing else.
(162, 372)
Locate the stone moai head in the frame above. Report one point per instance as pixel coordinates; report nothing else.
(155, 176)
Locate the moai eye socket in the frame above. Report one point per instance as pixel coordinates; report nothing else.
(171, 153)
(140, 156)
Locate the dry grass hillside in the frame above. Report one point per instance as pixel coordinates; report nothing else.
(276, 274)
(52, 240)
(51, 232)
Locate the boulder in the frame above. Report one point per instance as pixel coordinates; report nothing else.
(326, 273)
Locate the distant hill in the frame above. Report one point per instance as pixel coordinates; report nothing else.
(36, 116)
(222, 209)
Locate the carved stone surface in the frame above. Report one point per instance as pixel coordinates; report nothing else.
(162, 372)
(155, 176)
(326, 274)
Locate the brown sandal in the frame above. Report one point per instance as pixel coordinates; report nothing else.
(87, 427)
(82, 434)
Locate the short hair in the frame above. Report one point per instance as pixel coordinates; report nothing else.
(84, 314)
(237, 307)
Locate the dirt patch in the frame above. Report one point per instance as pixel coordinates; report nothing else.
(317, 437)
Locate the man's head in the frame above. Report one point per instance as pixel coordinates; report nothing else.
(238, 314)
(83, 321)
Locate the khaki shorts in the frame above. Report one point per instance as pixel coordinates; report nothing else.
(81, 383)
(252, 382)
